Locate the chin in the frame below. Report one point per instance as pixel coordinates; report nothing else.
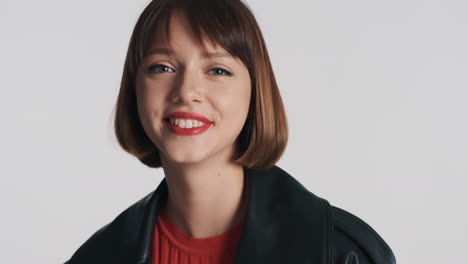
(186, 157)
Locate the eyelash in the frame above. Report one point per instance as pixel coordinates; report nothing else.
(226, 72)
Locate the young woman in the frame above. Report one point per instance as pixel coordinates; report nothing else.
(199, 99)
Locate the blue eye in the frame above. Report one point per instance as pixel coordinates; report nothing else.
(163, 68)
(223, 71)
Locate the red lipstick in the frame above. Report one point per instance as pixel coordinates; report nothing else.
(188, 131)
(188, 115)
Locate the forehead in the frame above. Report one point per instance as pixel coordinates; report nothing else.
(205, 54)
(176, 31)
(176, 36)
(179, 37)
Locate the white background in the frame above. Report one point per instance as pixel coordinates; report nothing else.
(375, 92)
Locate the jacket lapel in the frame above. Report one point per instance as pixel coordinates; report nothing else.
(285, 223)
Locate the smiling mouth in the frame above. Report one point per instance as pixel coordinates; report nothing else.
(185, 123)
(188, 115)
(187, 131)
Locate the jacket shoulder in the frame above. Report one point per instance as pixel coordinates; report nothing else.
(114, 241)
(355, 241)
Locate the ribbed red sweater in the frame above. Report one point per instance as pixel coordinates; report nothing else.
(172, 246)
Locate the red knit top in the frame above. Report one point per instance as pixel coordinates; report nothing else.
(172, 246)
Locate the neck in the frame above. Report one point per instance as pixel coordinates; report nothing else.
(205, 200)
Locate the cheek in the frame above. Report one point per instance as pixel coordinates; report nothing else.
(234, 105)
(150, 102)
(243, 96)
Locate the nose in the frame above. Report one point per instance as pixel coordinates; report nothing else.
(187, 88)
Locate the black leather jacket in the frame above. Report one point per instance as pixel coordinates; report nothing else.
(285, 223)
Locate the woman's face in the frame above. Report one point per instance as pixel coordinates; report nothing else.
(181, 78)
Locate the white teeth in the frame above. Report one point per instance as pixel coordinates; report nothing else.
(185, 123)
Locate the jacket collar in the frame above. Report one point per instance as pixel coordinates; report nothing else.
(285, 223)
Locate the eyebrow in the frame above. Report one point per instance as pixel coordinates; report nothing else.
(170, 52)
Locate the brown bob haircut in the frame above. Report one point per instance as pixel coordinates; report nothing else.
(230, 24)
